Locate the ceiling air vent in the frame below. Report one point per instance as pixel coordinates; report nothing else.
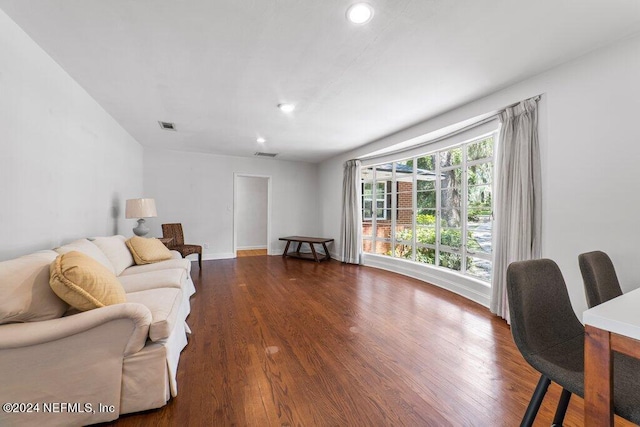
(261, 154)
(167, 125)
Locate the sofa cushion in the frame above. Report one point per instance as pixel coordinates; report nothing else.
(87, 248)
(147, 251)
(84, 283)
(169, 278)
(164, 305)
(24, 286)
(116, 250)
(184, 264)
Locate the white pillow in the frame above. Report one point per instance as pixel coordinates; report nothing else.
(116, 250)
(87, 248)
(25, 290)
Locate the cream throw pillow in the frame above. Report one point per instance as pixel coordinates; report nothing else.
(84, 283)
(147, 251)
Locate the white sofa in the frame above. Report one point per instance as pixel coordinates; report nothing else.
(89, 367)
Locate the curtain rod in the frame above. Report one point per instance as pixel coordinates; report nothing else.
(480, 122)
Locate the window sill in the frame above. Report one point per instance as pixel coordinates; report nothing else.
(468, 287)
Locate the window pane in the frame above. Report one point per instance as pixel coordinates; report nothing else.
(367, 246)
(450, 260)
(479, 268)
(367, 189)
(480, 197)
(480, 174)
(426, 199)
(404, 170)
(383, 230)
(404, 232)
(367, 228)
(450, 198)
(403, 251)
(367, 211)
(426, 184)
(383, 247)
(450, 218)
(480, 150)
(366, 174)
(383, 215)
(479, 238)
(426, 164)
(426, 255)
(426, 235)
(383, 172)
(451, 178)
(451, 237)
(426, 217)
(451, 157)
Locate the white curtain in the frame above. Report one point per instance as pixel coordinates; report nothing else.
(351, 231)
(518, 199)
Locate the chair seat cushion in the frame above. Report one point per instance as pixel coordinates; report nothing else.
(168, 278)
(164, 305)
(147, 251)
(84, 283)
(562, 364)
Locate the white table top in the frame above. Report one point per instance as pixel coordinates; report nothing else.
(620, 315)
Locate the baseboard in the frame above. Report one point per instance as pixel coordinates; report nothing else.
(456, 283)
(250, 248)
(211, 257)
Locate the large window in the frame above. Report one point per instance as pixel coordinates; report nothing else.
(434, 209)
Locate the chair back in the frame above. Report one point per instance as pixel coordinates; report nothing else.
(599, 277)
(541, 312)
(175, 231)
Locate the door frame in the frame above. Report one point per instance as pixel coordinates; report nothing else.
(236, 176)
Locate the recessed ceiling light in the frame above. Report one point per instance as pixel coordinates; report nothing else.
(360, 13)
(287, 108)
(261, 140)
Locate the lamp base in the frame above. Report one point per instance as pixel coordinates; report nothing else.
(142, 229)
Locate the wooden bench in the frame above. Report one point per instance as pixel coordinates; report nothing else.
(310, 241)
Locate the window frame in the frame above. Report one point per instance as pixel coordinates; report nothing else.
(437, 248)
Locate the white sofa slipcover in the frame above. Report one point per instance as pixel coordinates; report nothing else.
(123, 357)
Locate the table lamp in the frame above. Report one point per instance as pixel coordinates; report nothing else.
(141, 208)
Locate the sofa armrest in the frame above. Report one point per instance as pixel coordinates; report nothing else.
(17, 335)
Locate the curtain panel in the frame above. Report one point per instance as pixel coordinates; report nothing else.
(351, 230)
(518, 201)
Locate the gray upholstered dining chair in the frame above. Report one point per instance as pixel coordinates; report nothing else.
(551, 339)
(599, 276)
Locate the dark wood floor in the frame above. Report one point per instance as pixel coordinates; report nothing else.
(284, 342)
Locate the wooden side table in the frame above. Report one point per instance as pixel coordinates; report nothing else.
(310, 241)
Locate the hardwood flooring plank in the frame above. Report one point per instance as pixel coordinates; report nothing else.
(283, 342)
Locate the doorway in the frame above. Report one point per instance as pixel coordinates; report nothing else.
(251, 214)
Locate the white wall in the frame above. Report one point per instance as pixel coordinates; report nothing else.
(66, 166)
(196, 190)
(590, 149)
(251, 212)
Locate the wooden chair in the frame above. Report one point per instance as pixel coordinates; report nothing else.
(177, 244)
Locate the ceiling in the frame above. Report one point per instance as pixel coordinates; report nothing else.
(218, 68)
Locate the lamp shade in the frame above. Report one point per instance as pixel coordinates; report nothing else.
(141, 208)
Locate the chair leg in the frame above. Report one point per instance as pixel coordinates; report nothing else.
(200, 260)
(536, 401)
(563, 404)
